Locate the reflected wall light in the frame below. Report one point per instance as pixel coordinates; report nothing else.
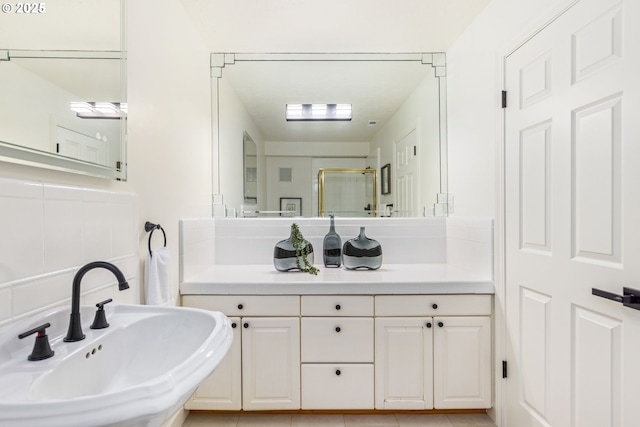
(318, 112)
(99, 110)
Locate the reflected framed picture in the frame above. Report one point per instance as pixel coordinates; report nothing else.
(385, 178)
(290, 206)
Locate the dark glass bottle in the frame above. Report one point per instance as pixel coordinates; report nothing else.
(332, 247)
(362, 252)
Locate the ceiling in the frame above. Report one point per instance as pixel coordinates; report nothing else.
(331, 25)
(375, 90)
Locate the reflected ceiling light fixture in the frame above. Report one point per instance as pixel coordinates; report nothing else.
(99, 110)
(318, 112)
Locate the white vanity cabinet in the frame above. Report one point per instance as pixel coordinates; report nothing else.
(351, 352)
(337, 349)
(265, 373)
(433, 351)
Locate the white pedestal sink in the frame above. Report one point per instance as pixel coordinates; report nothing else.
(137, 372)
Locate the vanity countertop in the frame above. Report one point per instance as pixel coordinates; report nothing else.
(388, 280)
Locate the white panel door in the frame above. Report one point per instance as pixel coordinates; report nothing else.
(407, 174)
(270, 363)
(572, 217)
(76, 145)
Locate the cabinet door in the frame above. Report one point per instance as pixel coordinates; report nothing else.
(462, 362)
(222, 389)
(271, 363)
(404, 363)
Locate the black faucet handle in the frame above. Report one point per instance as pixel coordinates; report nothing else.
(100, 320)
(41, 348)
(41, 330)
(101, 305)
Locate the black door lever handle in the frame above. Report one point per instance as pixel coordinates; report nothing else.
(629, 298)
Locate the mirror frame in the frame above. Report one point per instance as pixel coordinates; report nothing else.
(218, 61)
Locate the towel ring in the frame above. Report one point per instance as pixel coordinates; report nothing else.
(148, 226)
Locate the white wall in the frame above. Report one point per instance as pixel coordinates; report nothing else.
(169, 119)
(64, 25)
(473, 97)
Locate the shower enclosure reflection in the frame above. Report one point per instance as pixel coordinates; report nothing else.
(347, 192)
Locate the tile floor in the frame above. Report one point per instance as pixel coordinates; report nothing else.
(202, 419)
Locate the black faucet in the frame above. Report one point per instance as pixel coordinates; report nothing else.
(75, 328)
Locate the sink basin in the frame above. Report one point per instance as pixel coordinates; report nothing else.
(137, 372)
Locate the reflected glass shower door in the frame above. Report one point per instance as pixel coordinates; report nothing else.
(347, 192)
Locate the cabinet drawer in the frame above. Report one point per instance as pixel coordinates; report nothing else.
(337, 339)
(334, 386)
(246, 305)
(433, 305)
(338, 305)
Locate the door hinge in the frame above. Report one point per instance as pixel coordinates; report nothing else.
(504, 369)
(415, 150)
(58, 148)
(504, 99)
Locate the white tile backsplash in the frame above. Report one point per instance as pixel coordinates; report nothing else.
(49, 231)
(197, 245)
(470, 242)
(96, 230)
(408, 241)
(62, 230)
(21, 228)
(246, 241)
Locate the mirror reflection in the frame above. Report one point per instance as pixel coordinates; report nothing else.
(48, 64)
(36, 116)
(348, 192)
(398, 118)
(250, 170)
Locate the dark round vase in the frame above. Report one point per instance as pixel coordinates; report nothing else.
(284, 256)
(362, 253)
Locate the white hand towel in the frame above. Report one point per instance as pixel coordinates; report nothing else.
(156, 281)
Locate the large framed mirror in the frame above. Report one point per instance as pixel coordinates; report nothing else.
(398, 103)
(63, 80)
